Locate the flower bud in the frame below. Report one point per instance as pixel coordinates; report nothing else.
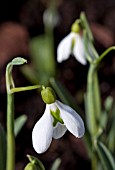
(30, 166)
(48, 95)
(34, 164)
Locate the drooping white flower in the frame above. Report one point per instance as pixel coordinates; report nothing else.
(55, 121)
(71, 44)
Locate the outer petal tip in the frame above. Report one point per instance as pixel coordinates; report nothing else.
(72, 120)
(81, 130)
(42, 133)
(64, 48)
(40, 145)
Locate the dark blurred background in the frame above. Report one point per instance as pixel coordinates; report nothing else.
(22, 20)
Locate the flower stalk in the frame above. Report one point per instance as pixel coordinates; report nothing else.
(10, 162)
(93, 100)
(10, 87)
(104, 54)
(90, 101)
(10, 158)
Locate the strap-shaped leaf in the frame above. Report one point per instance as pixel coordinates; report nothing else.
(91, 52)
(111, 137)
(56, 164)
(2, 148)
(19, 123)
(108, 103)
(105, 156)
(110, 129)
(42, 52)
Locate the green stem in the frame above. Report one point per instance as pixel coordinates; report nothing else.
(94, 163)
(97, 96)
(20, 89)
(104, 54)
(10, 162)
(91, 108)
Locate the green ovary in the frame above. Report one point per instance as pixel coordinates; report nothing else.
(56, 117)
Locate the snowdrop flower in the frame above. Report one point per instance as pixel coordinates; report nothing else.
(72, 44)
(55, 121)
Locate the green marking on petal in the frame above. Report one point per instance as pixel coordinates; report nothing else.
(73, 43)
(56, 116)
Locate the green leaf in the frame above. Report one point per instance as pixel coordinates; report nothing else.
(111, 130)
(105, 156)
(111, 137)
(88, 143)
(9, 79)
(42, 53)
(18, 61)
(104, 119)
(56, 164)
(2, 148)
(91, 53)
(19, 123)
(110, 125)
(108, 103)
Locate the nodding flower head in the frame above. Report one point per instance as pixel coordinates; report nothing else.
(55, 121)
(72, 44)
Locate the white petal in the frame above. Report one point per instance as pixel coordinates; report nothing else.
(42, 132)
(71, 119)
(64, 48)
(59, 131)
(78, 50)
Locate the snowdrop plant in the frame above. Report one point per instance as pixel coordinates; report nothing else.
(57, 118)
(98, 150)
(72, 44)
